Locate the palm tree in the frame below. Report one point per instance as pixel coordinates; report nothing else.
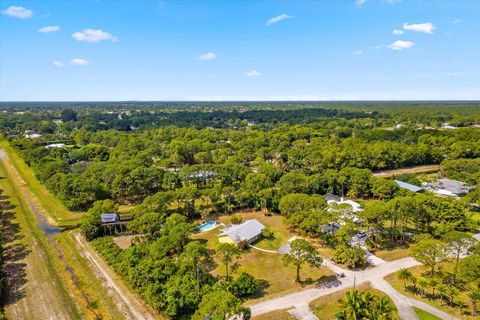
(462, 305)
(442, 289)
(384, 309)
(414, 282)
(474, 297)
(405, 275)
(352, 306)
(365, 306)
(434, 283)
(423, 284)
(452, 293)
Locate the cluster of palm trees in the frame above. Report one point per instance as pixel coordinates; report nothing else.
(364, 305)
(439, 289)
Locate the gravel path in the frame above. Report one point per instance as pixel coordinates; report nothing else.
(132, 307)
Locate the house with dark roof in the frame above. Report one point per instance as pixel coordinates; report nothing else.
(248, 232)
(409, 186)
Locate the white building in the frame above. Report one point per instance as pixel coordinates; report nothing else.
(248, 232)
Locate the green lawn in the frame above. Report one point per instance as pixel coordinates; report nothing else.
(390, 251)
(57, 213)
(267, 267)
(424, 315)
(476, 217)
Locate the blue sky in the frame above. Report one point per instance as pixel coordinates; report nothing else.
(239, 50)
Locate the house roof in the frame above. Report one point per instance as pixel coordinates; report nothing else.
(109, 217)
(408, 186)
(452, 186)
(243, 232)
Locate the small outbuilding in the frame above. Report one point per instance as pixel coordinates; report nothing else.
(248, 232)
(110, 217)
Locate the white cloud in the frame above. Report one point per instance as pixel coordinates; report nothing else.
(457, 21)
(398, 32)
(401, 44)
(376, 47)
(426, 27)
(207, 56)
(360, 2)
(57, 63)
(48, 29)
(253, 73)
(357, 52)
(18, 12)
(78, 62)
(277, 19)
(93, 35)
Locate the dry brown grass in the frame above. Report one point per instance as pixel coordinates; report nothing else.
(274, 315)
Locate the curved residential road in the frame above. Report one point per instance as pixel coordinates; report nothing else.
(404, 304)
(299, 300)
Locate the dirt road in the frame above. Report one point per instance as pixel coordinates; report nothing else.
(40, 296)
(130, 305)
(416, 169)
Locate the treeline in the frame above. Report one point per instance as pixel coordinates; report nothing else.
(249, 166)
(44, 118)
(399, 215)
(172, 272)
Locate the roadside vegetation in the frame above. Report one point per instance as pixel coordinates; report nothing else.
(346, 304)
(442, 281)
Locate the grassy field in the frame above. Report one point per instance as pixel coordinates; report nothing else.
(274, 315)
(276, 278)
(392, 251)
(417, 271)
(476, 217)
(57, 213)
(58, 263)
(90, 288)
(326, 307)
(34, 281)
(424, 315)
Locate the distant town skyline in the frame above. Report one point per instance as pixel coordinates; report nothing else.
(239, 50)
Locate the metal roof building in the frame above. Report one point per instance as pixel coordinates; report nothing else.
(408, 186)
(248, 231)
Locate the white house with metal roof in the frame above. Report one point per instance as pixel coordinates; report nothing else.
(248, 232)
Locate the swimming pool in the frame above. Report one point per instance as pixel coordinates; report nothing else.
(207, 226)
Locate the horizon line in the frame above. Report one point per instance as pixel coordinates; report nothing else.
(231, 101)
